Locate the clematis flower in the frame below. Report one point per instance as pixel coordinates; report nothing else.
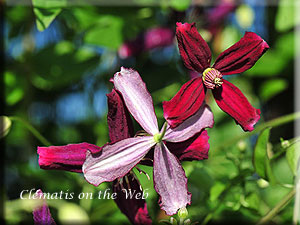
(196, 56)
(71, 158)
(41, 213)
(117, 159)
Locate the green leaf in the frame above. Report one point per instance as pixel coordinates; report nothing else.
(271, 88)
(46, 11)
(285, 18)
(261, 160)
(180, 5)
(68, 213)
(5, 124)
(107, 32)
(216, 191)
(293, 156)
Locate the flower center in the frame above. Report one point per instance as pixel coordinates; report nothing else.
(158, 137)
(212, 78)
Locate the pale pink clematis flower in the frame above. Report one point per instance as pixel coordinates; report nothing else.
(117, 159)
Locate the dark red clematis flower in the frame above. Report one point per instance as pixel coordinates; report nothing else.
(196, 56)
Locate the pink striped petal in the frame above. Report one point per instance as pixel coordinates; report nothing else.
(116, 160)
(69, 157)
(41, 214)
(134, 208)
(137, 98)
(170, 181)
(232, 101)
(185, 103)
(119, 122)
(195, 148)
(242, 55)
(194, 51)
(203, 118)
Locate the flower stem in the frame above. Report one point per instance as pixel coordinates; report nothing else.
(270, 215)
(272, 123)
(34, 131)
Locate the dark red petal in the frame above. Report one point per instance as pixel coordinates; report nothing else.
(118, 119)
(69, 157)
(135, 209)
(242, 55)
(185, 103)
(194, 51)
(232, 101)
(195, 148)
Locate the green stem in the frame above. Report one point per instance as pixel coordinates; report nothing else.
(270, 215)
(34, 131)
(272, 123)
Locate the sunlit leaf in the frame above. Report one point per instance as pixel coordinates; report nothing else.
(107, 32)
(271, 88)
(261, 160)
(245, 16)
(216, 191)
(293, 156)
(252, 201)
(46, 11)
(180, 5)
(5, 124)
(286, 18)
(70, 213)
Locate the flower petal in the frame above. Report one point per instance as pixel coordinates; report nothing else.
(194, 51)
(41, 214)
(119, 122)
(232, 101)
(116, 160)
(170, 181)
(242, 55)
(195, 148)
(203, 118)
(185, 103)
(137, 98)
(134, 208)
(69, 157)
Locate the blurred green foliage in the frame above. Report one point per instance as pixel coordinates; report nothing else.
(59, 59)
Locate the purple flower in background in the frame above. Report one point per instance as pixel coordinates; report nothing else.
(41, 214)
(152, 38)
(117, 159)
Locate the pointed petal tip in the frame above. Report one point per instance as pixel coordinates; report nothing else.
(168, 172)
(137, 98)
(242, 55)
(250, 126)
(193, 49)
(116, 159)
(232, 101)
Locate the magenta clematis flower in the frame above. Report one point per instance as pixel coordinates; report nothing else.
(41, 214)
(117, 159)
(196, 56)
